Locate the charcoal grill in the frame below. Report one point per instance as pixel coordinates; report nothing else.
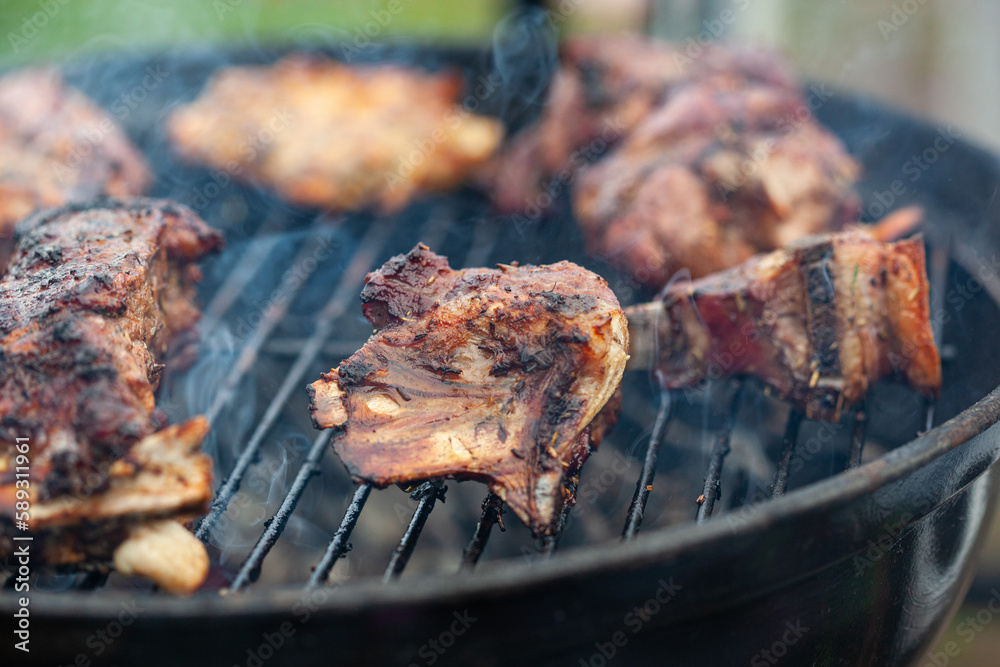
(765, 536)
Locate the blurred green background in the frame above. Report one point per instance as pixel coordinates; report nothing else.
(63, 27)
(940, 63)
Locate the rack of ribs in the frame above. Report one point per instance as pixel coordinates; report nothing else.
(94, 295)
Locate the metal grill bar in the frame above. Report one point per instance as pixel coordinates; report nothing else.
(291, 346)
(427, 494)
(858, 436)
(713, 486)
(492, 514)
(350, 279)
(644, 485)
(788, 443)
(549, 545)
(551, 542)
(250, 569)
(236, 281)
(265, 240)
(339, 545)
(272, 316)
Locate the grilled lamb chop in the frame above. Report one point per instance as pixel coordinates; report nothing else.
(604, 87)
(334, 136)
(57, 147)
(711, 178)
(486, 374)
(93, 296)
(819, 321)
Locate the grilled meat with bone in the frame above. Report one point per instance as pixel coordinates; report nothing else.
(57, 146)
(486, 374)
(711, 178)
(819, 321)
(604, 87)
(93, 296)
(334, 136)
(678, 162)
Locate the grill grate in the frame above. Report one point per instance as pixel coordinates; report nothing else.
(350, 282)
(492, 514)
(305, 352)
(713, 478)
(428, 494)
(302, 353)
(644, 486)
(339, 545)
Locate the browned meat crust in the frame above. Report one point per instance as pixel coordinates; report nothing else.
(819, 321)
(162, 478)
(677, 162)
(485, 374)
(714, 176)
(93, 296)
(334, 136)
(605, 86)
(58, 147)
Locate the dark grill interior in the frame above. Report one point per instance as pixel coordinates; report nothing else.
(281, 306)
(323, 306)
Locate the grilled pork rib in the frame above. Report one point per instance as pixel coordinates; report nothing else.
(819, 321)
(604, 87)
(677, 162)
(485, 374)
(58, 147)
(93, 296)
(711, 178)
(335, 136)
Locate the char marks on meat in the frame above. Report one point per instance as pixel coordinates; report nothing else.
(486, 374)
(58, 147)
(92, 298)
(340, 137)
(819, 321)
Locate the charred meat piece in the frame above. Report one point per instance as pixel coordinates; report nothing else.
(134, 521)
(485, 374)
(56, 146)
(604, 87)
(819, 321)
(711, 178)
(333, 136)
(94, 295)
